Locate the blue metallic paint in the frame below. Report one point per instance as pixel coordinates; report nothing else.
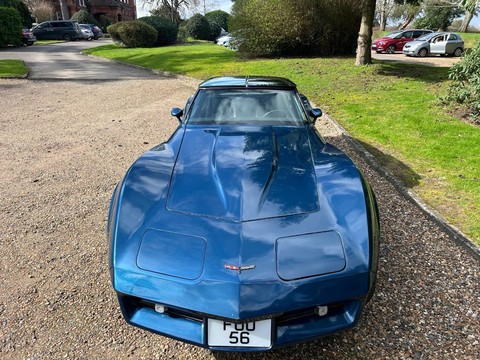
(252, 202)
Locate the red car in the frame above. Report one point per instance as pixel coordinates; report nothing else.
(396, 39)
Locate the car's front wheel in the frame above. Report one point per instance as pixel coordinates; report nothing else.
(67, 37)
(423, 52)
(30, 43)
(391, 49)
(458, 52)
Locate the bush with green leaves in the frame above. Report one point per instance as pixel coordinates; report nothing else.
(215, 30)
(182, 34)
(84, 17)
(22, 9)
(465, 86)
(11, 25)
(296, 27)
(137, 34)
(105, 22)
(166, 29)
(113, 32)
(219, 17)
(199, 28)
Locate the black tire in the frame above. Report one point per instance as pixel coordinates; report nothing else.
(379, 52)
(423, 52)
(458, 52)
(390, 49)
(67, 37)
(30, 43)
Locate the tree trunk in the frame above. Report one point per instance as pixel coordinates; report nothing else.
(364, 41)
(407, 21)
(466, 21)
(383, 15)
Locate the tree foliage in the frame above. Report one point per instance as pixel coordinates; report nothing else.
(84, 17)
(11, 25)
(219, 17)
(296, 27)
(166, 30)
(22, 9)
(465, 86)
(437, 15)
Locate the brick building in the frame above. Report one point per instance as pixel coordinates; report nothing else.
(115, 10)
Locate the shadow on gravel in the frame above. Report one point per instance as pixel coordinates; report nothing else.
(424, 73)
(402, 171)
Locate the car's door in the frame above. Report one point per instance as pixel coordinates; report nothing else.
(405, 37)
(453, 42)
(438, 44)
(43, 31)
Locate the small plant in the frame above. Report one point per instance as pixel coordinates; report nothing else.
(11, 25)
(137, 34)
(166, 29)
(465, 86)
(182, 34)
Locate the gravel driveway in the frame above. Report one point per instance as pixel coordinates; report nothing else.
(64, 146)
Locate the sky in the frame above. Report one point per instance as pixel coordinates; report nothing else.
(224, 5)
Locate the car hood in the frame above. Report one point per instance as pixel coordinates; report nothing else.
(244, 173)
(381, 39)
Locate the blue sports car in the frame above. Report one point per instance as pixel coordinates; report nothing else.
(245, 230)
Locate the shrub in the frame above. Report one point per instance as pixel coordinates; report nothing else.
(113, 31)
(43, 10)
(137, 34)
(182, 34)
(166, 30)
(199, 28)
(25, 16)
(296, 27)
(11, 25)
(219, 17)
(215, 30)
(465, 86)
(84, 17)
(105, 22)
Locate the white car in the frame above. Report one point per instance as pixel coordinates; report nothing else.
(224, 40)
(86, 32)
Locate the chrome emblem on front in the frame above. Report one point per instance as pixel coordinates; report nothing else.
(239, 268)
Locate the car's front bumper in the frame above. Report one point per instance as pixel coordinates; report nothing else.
(378, 48)
(287, 328)
(409, 52)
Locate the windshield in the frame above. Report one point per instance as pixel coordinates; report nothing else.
(393, 34)
(426, 37)
(246, 106)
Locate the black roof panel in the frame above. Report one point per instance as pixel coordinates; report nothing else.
(248, 81)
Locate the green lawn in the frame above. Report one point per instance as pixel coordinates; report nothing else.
(391, 108)
(12, 68)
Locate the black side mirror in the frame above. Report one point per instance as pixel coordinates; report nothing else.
(315, 113)
(177, 113)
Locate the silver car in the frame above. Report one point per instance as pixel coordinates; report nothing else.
(444, 43)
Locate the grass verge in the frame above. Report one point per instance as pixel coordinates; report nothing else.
(391, 108)
(12, 68)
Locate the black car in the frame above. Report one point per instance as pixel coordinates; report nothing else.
(58, 30)
(27, 37)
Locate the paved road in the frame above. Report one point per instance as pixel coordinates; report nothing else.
(65, 61)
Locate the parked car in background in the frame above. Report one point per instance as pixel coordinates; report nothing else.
(27, 37)
(58, 30)
(97, 32)
(244, 231)
(86, 31)
(224, 40)
(436, 43)
(397, 39)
